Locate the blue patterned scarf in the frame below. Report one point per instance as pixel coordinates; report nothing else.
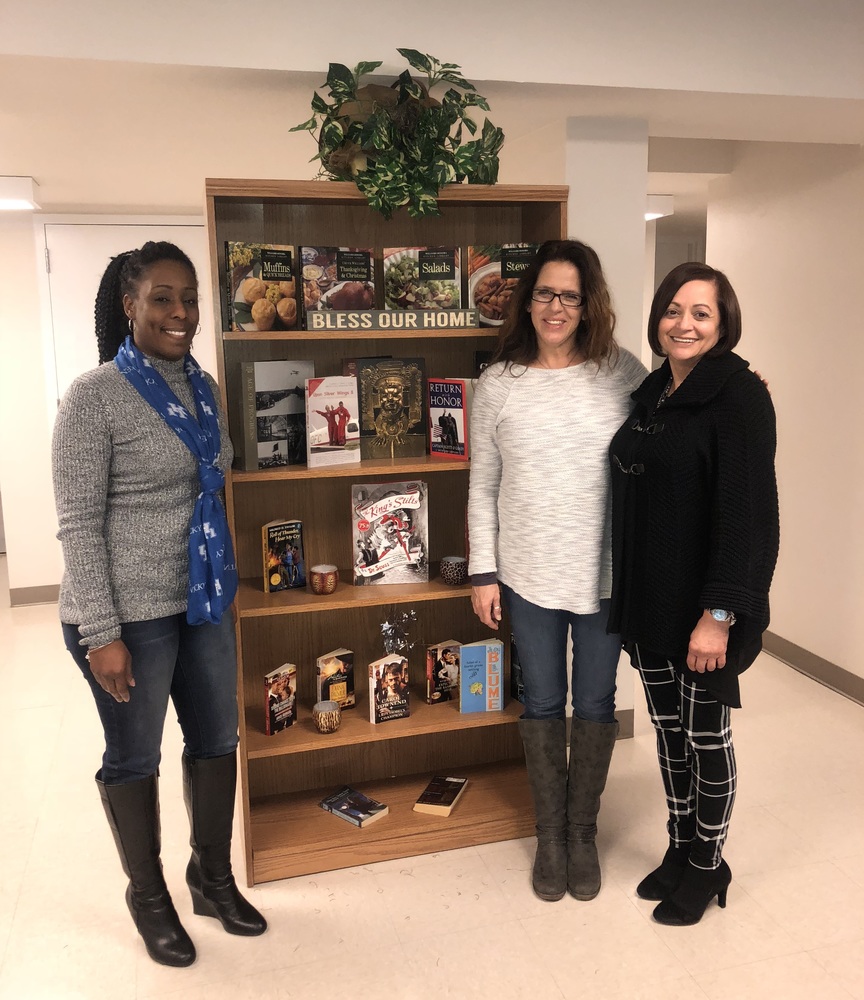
(212, 571)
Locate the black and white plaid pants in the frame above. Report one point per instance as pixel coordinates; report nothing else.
(696, 756)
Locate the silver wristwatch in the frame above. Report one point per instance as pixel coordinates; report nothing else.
(719, 615)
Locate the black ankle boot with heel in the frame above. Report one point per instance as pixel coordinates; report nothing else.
(698, 886)
(664, 880)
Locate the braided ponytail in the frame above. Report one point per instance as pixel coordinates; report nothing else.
(122, 277)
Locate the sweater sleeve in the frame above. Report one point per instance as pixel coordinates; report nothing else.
(745, 520)
(81, 463)
(489, 398)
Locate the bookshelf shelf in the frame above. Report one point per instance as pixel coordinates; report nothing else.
(282, 778)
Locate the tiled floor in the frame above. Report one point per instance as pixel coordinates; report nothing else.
(460, 924)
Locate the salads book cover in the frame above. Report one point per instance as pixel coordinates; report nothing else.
(422, 278)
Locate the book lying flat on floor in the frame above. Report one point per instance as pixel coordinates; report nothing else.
(354, 806)
(440, 795)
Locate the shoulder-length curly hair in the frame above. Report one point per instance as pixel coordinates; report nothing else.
(595, 341)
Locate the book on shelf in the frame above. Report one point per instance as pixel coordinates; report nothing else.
(349, 365)
(390, 532)
(354, 806)
(440, 796)
(283, 554)
(449, 417)
(337, 278)
(335, 677)
(280, 694)
(389, 697)
(272, 414)
(493, 273)
(392, 407)
(261, 287)
(481, 676)
(442, 671)
(517, 686)
(332, 421)
(422, 278)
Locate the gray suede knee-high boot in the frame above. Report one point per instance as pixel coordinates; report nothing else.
(591, 745)
(545, 745)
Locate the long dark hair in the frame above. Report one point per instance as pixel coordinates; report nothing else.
(595, 339)
(122, 277)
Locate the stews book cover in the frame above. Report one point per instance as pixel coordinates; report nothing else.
(284, 559)
(422, 278)
(332, 421)
(493, 272)
(335, 677)
(440, 795)
(354, 806)
(449, 417)
(388, 689)
(337, 278)
(261, 287)
(273, 414)
(280, 693)
(481, 676)
(392, 407)
(390, 533)
(442, 671)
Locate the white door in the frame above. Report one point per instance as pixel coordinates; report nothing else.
(78, 254)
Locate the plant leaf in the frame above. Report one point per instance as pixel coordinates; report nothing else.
(331, 136)
(362, 68)
(417, 60)
(341, 81)
(306, 126)
(376, 133)
(456, 80)
(319, 104)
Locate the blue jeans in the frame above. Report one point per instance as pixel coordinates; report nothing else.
(194, 665)
(541, 640)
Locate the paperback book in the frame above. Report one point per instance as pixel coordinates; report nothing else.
(449, 417)
(392, 407)
(336, 677)
(481, 674)
(280, 693)
(273, 414)
(388, 689)
(332, 421)
(440, 795)
(337, 278)
(493, 273)
(422, 278)
(262, 287)
(390, 533)
(354, 806)
(284, 559)
(442, 671)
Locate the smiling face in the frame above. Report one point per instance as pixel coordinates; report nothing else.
(554, 324)
(164, 310)
(690, 326)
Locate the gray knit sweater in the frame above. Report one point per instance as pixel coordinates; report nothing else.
(125, 486)
(539, 501)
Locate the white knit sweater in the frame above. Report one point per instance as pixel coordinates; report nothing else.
(539, 502)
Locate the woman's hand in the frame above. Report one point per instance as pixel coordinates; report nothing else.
(708, 641)
(111, 665)
(486, 602)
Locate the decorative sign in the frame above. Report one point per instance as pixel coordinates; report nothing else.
(398, 319)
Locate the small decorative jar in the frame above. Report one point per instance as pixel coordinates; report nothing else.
(323, 578)
(327, 716)
(454, 570)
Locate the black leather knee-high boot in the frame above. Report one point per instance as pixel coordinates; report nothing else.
(208, 789)
(133, 815)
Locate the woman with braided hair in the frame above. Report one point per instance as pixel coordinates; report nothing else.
(139, 457)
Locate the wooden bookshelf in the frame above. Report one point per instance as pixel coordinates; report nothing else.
(284, 777)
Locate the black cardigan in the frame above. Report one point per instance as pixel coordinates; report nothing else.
(695, 522)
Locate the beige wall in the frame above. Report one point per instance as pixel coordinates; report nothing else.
(788, 226)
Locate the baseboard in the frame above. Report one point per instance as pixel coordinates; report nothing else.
(837, 678)
(21, 596)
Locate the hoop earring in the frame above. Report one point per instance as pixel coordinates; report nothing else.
(197, 331)
(131, 328)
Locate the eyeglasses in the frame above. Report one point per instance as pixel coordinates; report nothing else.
(570, 300)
